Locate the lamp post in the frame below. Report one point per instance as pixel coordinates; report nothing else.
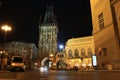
(61, 47)
(5, 28)
(51, 60)
(51, 56)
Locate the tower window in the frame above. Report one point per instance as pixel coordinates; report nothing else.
(105, 51)
(101, 21)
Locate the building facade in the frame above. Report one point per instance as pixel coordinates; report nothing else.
(27, 50)
(106, 32)
(79, 52)
(48, 32)
(60, 60)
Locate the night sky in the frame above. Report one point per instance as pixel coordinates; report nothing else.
(73, 18)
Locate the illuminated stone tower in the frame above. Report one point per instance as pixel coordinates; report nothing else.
(48, 32)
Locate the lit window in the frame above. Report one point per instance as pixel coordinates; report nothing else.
(76, 53)
(89, 52)
(70, 54)
(83, 52)
(105, 51)
(101, 20)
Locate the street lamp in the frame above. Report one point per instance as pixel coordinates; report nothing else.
(51, 60)
(61, 47)
(5, 28)
(51, 56)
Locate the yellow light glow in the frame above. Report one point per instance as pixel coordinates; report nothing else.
(84, 65)
(54, 64)
(51, 55)
(13, 64)
(36, 64)
(89, 64)
(6, 28)
(0, 52)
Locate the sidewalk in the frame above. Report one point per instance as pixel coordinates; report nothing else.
(4, 71)
(107, 70)
(98, 70)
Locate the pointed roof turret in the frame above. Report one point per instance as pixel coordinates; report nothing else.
(49, 16)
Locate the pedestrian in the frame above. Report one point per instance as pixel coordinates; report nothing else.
(76, 68)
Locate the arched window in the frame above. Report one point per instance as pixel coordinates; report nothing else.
(58, 56)
(62, 56)
(82, 52)
(70, 54)
(76, 53)
(89, 52)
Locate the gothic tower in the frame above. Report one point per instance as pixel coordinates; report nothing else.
(48, 32)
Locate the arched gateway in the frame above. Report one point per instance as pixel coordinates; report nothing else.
(45, 62)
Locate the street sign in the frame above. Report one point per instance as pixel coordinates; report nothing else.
(94, 60)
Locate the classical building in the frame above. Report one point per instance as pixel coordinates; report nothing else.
(106, 32)
(48, 32)
(28, 50)
(79, 52)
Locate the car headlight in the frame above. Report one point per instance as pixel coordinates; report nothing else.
(12, 64)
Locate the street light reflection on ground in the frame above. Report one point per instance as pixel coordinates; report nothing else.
(43, 69)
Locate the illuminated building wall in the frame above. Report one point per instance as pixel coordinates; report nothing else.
(106, 32)
(27, 50)
(79, 51)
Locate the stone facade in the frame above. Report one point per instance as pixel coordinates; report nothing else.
(79, 52)
(106, 32)
(48, 32)
(28, 50)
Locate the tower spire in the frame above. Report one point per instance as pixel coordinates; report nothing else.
(49, 16)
